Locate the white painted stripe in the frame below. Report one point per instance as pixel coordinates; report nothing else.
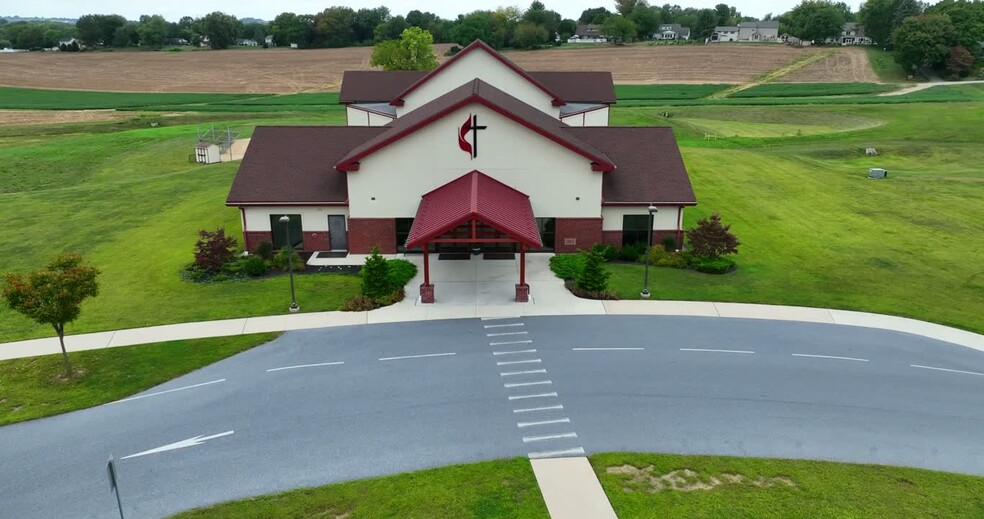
(168, 391)
(512, 362)
(504, 325)
(607, 349)
(530, 439)
(717, 351)
(948, 370)
(510, 342)
(540, 395)
(505, 333)
(553, 454)
(545, 422)
(828, 357)
(500, 318)
(535, 409)
(514, 373)
(306, 366)
(524, 384)
(512, 352)
(419, 356)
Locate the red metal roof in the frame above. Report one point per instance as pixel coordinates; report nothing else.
(478, 45)
(474, 196)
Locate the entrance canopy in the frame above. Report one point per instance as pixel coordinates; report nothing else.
(472, 198)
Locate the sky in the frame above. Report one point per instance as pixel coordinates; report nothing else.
(267, 10)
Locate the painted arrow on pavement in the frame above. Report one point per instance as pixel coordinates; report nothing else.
(190, 442)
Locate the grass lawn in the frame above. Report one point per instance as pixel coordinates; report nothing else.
(787, 489)
(885, 66)
(812, 89)
(34, 387)
(132, 204)
(492, 489)
(40, 99)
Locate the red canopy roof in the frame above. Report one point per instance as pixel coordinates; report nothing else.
(474, 196)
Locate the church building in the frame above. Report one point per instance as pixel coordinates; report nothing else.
(476, 155)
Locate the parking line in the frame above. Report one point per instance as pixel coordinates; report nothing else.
(524, 384)
(505, 333)
(552, 454)
(539, 395)
(306, 366)
(607, 349)
(948, 370)
(510, 342)
(511, 362)
(522, 425)
(717, 351)
(168, 391)
(828, 357)
(529, 439)
(514, 373)
(535, 409)
(500, 318)
(503, 325)
(419, 356)
(512, 352)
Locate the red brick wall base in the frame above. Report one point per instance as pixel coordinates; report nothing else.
(253, 238)
(573, 234)
(366, 233)
(426, 293)
(522, 293)
(315, 241)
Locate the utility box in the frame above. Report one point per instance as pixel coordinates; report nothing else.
(877, 173)
(207, 153)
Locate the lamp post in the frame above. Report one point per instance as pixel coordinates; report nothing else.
(649, 239)
(290, 264)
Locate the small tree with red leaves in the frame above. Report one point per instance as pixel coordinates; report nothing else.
(214, 249)
(710, 239)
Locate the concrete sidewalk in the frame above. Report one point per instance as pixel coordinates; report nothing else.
(410, 311)
(571, 489)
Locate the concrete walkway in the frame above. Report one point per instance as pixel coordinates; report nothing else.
(571, 490)
(924, 86)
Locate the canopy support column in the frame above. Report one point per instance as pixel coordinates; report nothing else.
(427, 289)
(522, 289)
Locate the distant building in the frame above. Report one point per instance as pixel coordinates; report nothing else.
(269, 41)
(758, 31)
(176, 41)
(725, 33)
(589, 33)
(246, 42)
(853, 34)
(672, 31)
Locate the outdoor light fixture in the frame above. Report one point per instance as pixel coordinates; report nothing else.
(649, 239)
(290, 264)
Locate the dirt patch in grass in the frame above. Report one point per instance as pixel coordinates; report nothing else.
(846, 65)
(18, 117)
(687, 480)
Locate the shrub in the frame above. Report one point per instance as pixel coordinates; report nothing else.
(394, 297)
(254, 266)
(400, 272)
(606, 295)
(594, 277)
(264, 249)
(567, 266)
(359, 304)
(375, 276)
(711, 240)
(669, 244)
(719, 265)
(214, 249)
(280, 260)
(632, 252)
(660, 257)
(607, 251)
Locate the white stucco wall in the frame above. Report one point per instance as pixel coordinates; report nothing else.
(597, 117)
(313, 219)
(665, 220)
(356, 117)
(479, 64)
(552, 175)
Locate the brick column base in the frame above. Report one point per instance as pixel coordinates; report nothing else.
(426, 293)
(522, 293)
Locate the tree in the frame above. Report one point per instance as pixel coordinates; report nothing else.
(619, 29)
(709, 239)
(529, 35)
(289, 28)
(126, 36)
(594, 277)
(31, 37)
(152, 30)
(391, 29)
(876, 18)
(54, 295)
(646, 19)
(816, 20)
(967, 18)
(221, 29)
(706, 21)
(214, 249)
(375, 276)
(924, 40)
(597, 16)
(624, 7)
(98, 29)
(960, 62)
(566, 29)
(366, 21)
(724, 15)
(335, 27)
(413, 51)
(473, 26)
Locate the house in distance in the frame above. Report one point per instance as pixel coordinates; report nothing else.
(477, 154)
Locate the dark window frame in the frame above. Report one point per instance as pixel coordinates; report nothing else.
(636, 228)
(279, 236)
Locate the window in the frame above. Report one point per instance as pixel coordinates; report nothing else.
(635, 229)
(280, 232)
(403, 226)
(548, 232)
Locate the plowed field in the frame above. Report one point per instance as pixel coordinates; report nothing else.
(290, 71)
(848, 65)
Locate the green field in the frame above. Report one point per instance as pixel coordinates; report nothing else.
(812, 89)
(665, 92)
(885, 66)
(38, 99)
(34, 387)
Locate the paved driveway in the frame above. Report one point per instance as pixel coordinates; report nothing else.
(321, 406)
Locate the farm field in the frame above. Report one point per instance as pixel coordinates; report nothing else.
(285, 71)
(847, 62)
